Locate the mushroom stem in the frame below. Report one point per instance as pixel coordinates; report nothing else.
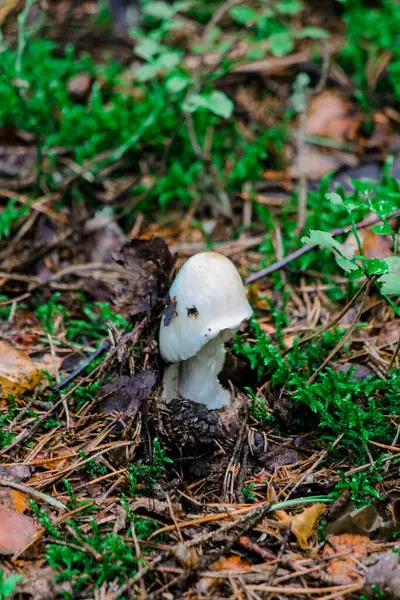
(198, 375)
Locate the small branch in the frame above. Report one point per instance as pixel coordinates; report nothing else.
(277, 266)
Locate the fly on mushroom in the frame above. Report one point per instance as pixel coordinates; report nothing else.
(210, 305)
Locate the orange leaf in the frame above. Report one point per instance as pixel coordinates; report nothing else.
(344, 570)
(18, 373)
(302, 524)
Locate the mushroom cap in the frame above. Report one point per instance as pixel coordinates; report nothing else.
(209, 297)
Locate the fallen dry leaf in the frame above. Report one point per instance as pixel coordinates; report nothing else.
(232, 564)
(344, 569)
(19, 373)
(362, 521)
(373, 245)
(302, 525)
(385, 574)
(15, 531)
(13, 500)
(332, 116)
(125, 394)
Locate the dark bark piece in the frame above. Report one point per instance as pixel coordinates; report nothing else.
(125, 394)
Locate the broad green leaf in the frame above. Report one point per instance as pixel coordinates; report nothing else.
(289, 7)
(220, 104)
(193, 102)
(281, 44)
(364, 185)
(390, 284)
(382, 229)
(373, 266)
(146, 72)
(334, 198)
(347, 265)
(315, 33)
(322, 238)
(216, 102)
(177, 83)
(147, 48)
(169, 60)
(393, 264)
(244, 14)
(159, 10)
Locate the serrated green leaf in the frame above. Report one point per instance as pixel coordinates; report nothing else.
(382, 229)
(322, 238)
(373, 266)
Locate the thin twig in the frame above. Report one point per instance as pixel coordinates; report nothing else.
(280, 264)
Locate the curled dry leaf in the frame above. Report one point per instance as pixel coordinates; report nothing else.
(151, 264)
(302, 525)
(345, 569)
(18, 372)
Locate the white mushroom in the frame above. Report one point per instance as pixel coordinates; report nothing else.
(208, 304)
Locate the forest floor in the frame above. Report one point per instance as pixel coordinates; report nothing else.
(131, 139)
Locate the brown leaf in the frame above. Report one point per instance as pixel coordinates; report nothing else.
(16, 530)
(125, 394)
(373, 245)
(13, 500)
(385, 573)
(302, 524)
(332, 116)
(362, 521)
(151, 263)
(344, 569)
(18, 373)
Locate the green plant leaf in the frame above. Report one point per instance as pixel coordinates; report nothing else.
(244, 14)
(281, 44)
(347, 265)
(390, 284)
(159, 10)
(147, 48)
(146, 72)
(289, 7)
(315, 33)
(169, 60)
(334, 198)
(382, 229)
(177, 83)
(322, 238)
(216, 102)
(220, 104)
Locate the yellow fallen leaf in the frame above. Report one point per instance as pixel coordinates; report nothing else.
(19, 373)
(302, 525)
